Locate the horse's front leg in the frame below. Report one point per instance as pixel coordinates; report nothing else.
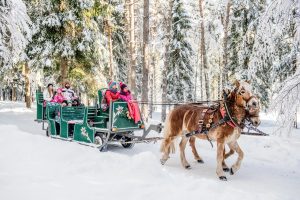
(220, 159)
(182, 146)
(166, 148)
(236, 166)
(225, 156)
(192, 141)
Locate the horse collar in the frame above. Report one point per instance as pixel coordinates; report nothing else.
(224, 115)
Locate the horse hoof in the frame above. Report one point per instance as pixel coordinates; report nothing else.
(162, 161)
(226, 169)
(223, 178)
(188, 167)
(231, 171)
(200, 161)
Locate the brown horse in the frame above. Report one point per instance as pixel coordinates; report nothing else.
(253, 109)
(187, 118)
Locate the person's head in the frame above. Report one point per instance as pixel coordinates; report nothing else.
(123, 87)
(67, 84)
(50, 87)
(75, 102)
(59, 91)
(113, 86)
(64, 103)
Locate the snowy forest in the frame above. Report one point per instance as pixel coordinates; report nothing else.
(149, 99)
(167, 51)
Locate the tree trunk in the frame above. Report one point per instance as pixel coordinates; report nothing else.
(14, 93)
(166, 62)
(225, 41)
(27, 86)
(109, 36)
(63, 70)
(145, 86)
(130, 27)
(203, 52)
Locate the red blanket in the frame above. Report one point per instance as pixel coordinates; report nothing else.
(134, 111)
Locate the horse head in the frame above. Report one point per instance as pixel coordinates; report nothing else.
(253, 109)
(241, 93)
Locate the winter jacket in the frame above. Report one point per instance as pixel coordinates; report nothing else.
(125, 96)
(133, 108)
(58, 98)
(111, 96)
(69, 94)
(47, 95)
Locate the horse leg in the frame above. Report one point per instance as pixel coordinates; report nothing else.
(224, 166)
(231, 152)
(220, 157)
(192, 141)
(182, 146)
(226, 155)
(166, 149)
(236, 166)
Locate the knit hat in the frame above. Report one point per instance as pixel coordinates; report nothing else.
(122, 85)
(111, 84)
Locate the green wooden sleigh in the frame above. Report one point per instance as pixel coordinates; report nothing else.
(91, 125)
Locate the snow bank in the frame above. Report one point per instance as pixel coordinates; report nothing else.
(33, 166)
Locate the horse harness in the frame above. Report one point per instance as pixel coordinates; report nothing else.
(210, 112)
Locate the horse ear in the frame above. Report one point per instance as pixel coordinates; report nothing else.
(248, 81)
(237, 83)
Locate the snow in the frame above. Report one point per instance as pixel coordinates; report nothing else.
(33, 166)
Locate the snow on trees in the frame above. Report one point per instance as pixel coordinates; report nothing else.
(15, 31)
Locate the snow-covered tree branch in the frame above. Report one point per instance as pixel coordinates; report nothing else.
(15, 31)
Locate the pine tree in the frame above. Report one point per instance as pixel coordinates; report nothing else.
(120, 50)
(180, 76)
(66, 34)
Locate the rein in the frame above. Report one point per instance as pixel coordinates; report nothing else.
(228, 113)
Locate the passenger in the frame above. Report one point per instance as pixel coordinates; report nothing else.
(48, 95)
(48, 92)
(58, 98)
(112, 94)
(68, 93)
(133, 108)
(75, 102)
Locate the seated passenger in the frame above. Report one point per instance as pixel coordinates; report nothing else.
(48, 94)
(112, 94)
(68, 93)
(58, 98)
(133, 107)
(75, 102)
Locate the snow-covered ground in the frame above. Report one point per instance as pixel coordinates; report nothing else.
(33, 166)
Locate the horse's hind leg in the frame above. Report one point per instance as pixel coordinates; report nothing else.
(182, 146)
(192, 141)
(236, 166)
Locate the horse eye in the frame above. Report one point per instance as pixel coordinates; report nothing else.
(242, 92)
